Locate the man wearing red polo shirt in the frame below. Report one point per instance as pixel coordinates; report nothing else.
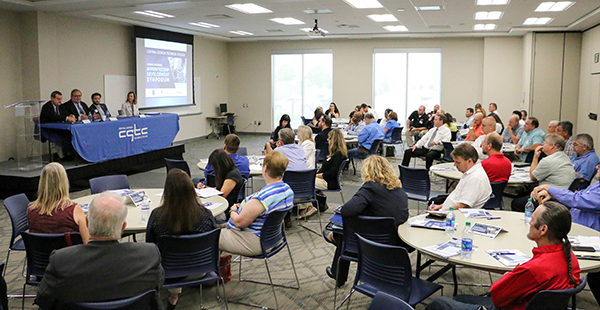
(497, 166)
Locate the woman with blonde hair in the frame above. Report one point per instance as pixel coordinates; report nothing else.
(129, 107)
(380, 195)
(308, 144)
(53, 212)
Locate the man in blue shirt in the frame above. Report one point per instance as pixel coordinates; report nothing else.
(356, 125)
(513, 132)
(231, 146)
(366, 138)
(531, 138)
(585, 158)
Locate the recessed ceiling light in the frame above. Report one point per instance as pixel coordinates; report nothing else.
(395, 28)
(309, 29)
(154, 14)
(537, 21)
(287, 21)
(428, 8)
(204, 25)
(400, 10)
(249, 8)
(318, 11)
(492, 2)
(488, 15)
(364, 4)
(484, 26)
(242, 33)
(554, 6)
(382, 18)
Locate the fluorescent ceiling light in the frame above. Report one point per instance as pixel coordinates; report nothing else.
(287, 21)
(492, 2)
(242, 33)
(554, 6)
(484, 26)
(494, 15)
(364, 4)
(318, 11)
(428, 8)
(395, 28)
(249, 8)
(204, 25)
(310, 29)
(382, 18)
(537, 21)
(154, 14)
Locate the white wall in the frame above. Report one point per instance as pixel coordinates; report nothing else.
(589, 84)
(502, 74)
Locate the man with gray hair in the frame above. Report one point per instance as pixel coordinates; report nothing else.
(294, 152)
(552, 126)
(565, 130)
(513, 132)
(104, 269)
(585, 158)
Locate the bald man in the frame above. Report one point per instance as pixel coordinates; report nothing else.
(488, 125)
(477, 129)
(513, 132)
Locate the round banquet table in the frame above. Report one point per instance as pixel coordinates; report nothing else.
(514, 238)
(134, 215)
(519, 175)
(255, 164)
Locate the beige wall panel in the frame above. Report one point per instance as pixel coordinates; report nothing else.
(570, 85)
(547, 77)
(589, 84)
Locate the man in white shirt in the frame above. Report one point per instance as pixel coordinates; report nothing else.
(473, 189)
(469, 114)
(493, 107)
(364, 108)
(430, 145)
(488, 125)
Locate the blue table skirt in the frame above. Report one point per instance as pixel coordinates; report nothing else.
(100, 141)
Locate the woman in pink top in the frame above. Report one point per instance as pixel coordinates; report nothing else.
(53, 212)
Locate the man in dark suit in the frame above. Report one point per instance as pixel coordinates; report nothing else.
(77, 107)
(53, 111)
(104, 269)
(321, 142)
(99, 110)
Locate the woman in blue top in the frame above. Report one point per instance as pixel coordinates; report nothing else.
(392, 122)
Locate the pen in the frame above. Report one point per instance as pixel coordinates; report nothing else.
(504, 253)
(493, 218)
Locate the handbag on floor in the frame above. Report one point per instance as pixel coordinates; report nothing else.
(225, 263)
(322, 199)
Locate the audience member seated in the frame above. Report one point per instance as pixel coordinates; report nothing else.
(513, 132)
(552, 126)
(380, 187)
(523, 115)
(228, 178)
(499, 123)
(317, 117)
(99, 110)
(470, 115)
(384, 120)
(321, 138)
(473, 189)
(532, 137)
(356, 125)
(231, 145)
(356, 109)
(493, 107)
(333, 111)
(497, 166)
(242, 235)
(553, 266)
(417, 125)
(392, 122)
(585, 158)
(488, 125)
(287, 147)
(364, 108)
(451, 125)
(430, 145)
(431, 114)
(54, 112)
(129, 107)
(370, 133)
(555, 169)
(308, 144)
(565, 130)
(284, 122)
(480, 110)
(180, 213)
(476, 129)
(77, 107)
(53, 212)
(104, 269)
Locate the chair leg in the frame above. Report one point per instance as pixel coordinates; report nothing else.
(293, 266)
(272, 286)
(201, 297)
(342, 194)
(307, 221)
(224, 293)
(6, 265)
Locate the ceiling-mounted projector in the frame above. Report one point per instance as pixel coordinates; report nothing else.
(316, 32)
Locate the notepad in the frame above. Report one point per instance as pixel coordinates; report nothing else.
(207, 192)
(509, 257)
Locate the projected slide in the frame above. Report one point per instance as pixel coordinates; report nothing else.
(163, 73)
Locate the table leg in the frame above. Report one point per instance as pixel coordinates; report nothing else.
(454, 279)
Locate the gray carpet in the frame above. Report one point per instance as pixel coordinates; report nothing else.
(311, 254)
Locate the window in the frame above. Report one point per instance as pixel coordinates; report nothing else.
(302, 81)
(403, 80)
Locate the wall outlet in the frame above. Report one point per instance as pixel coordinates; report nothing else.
(259, 123)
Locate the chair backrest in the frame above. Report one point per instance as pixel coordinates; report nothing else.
(384, 267)
(272, 235)
(304, 120)
(39, 247)
(555, 299)
(397, 135)
(230, 117)
(190, 255)
(109, 182)
(448, 148)
(579, 184)
(379, 229)
(317, 156)
(302, 183)
(340, 171)
(178, 163)
(144, 301)
(385, 301)
(375, 146)
(415, 182)
(242, 151)
(16, 206)
(241, 194)
(495, 201)
(453, 135)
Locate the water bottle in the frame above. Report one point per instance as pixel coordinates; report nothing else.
(107, 115)
(145, 209)
(90, 116)
(450, 218)
(528, 210)
(458, 138)
(467, 241)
